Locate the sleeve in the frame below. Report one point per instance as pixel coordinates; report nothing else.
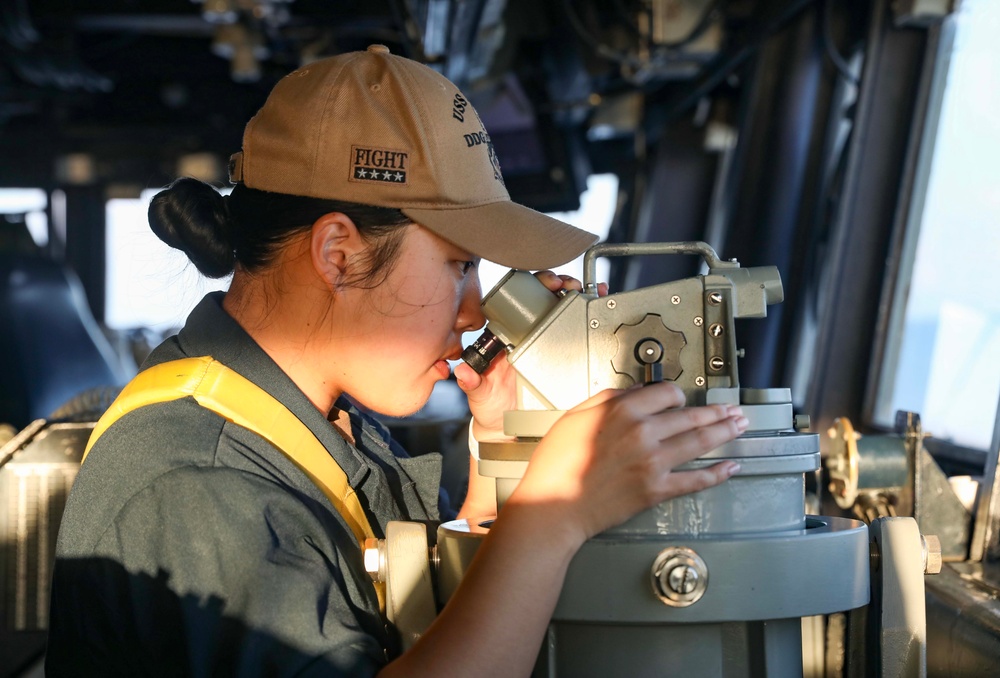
(213, 571)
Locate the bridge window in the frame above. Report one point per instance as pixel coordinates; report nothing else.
(944, 347)
(149, 285)
(24, 208)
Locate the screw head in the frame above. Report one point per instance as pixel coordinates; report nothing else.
(595, 323)
(675, 300)
(679, 576)
(699, 381)
(716, 363)
(715, 330)
(698, 321)
(612, 303)
(715, 298)
(682, 579)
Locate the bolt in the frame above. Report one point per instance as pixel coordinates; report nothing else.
(595, 323)
(931, 551)
(612, 303)
(675, 300)
(682, 579)
(699, 381)
(716, 363)
(698, 321)
(715, 298)
(374, 558)
(715, 330)
(679, 576)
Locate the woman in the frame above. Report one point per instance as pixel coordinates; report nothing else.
(197, 541)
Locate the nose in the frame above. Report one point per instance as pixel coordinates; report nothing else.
(470, 314)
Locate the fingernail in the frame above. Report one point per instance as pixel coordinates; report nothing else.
(742, 423)
(733, 469)
(734, 411)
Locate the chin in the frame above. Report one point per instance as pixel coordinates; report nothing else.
(401, 404)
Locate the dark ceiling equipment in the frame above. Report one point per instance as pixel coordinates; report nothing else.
(118, 92)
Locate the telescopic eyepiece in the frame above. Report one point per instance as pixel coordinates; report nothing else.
(482, 351)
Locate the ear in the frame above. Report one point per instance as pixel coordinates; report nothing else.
(334, 242)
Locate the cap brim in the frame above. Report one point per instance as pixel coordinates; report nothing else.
(507, 233)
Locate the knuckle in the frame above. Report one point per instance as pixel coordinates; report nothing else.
(675, 395)
(705, 438)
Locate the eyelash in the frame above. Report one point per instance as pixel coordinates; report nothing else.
(467, 266)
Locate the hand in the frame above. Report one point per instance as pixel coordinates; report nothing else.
(614, 455)
(492, 393)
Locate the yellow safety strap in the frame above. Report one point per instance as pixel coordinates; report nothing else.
(230, 395)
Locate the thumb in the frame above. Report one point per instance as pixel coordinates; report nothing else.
(468, 379)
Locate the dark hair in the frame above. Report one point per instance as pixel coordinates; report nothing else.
(247, 228)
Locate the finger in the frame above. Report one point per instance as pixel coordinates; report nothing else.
(690, 445)
(571, 283)
(686, 482)
(670, 423)
(551, 281)
(653, 398)
(602, 289)
(468, 379)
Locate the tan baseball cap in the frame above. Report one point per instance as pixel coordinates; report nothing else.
(370, 127)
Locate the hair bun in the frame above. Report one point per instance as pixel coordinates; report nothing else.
(192, 216)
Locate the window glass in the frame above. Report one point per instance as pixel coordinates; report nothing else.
(948, 364)
(149, 284)
(27, 205)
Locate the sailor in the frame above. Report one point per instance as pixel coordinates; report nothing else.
(216, 524)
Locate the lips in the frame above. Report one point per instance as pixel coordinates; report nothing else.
(443, 368)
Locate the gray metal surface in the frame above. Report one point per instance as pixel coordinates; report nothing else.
(900, 649)
(732, 650)
(747, 503)
(753, 576)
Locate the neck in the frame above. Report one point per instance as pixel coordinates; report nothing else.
(287, 320)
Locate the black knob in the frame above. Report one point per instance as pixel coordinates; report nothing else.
(482, 351)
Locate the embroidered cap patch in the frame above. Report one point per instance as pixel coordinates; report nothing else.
(378, 164)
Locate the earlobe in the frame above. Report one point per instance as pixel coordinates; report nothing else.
(335, 238)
